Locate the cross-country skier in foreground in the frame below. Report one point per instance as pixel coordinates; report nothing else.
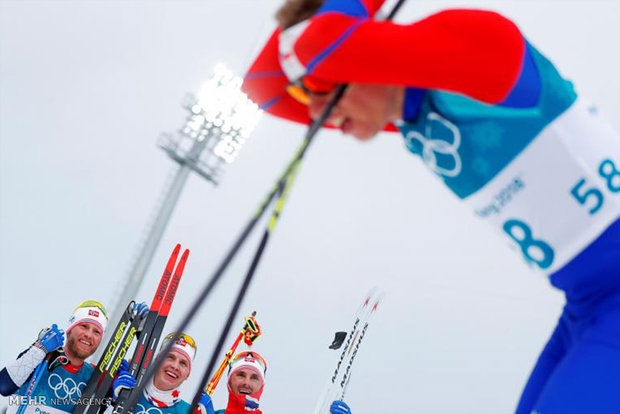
(246, 381)
(61, 384)
(161, 395)
(492, 117)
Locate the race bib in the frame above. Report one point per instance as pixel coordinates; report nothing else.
(560, 193)
(33, 408)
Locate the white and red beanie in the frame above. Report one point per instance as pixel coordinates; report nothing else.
(184, 345)
(249, 360)
(89, 311)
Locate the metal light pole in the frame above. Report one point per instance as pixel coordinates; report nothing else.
(220, 120)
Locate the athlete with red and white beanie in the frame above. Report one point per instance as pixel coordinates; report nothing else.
(67, 374)
(246, 381)
(162, 394)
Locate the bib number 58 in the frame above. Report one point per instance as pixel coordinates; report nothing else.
(610, 174)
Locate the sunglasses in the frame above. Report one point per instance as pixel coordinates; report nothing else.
(250, 354)
(93, 304)
(183, 338)
(302, 88)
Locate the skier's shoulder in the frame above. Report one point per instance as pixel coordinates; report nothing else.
(541, 93)
(86, 371)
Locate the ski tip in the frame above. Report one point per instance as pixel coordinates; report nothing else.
(371, 300)
(173, 257)
(377, 300)
(181, 265)
(377, 294)
(371, 296)
(178, 272)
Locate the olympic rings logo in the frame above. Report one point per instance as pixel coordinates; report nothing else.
(68, 387)
(433, 146)
(140, 409)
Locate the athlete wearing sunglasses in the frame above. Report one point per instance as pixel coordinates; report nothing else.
(162, 395)
(497, 123)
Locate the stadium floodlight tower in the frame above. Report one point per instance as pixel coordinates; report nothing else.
(220, 119)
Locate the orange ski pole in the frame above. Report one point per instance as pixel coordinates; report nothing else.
(250, 332)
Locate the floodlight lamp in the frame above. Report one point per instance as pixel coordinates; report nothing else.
(219, 121)
(228, 109)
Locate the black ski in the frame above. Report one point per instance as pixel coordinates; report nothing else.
(91, 388)
(103, 390)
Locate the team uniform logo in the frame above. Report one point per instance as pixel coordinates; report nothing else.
(65, 388)
(140, 409)
(439, 154)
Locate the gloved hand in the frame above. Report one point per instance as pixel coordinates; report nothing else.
(124, 380)
(141, 309)
(339, 407)
(50, 339)
(205, 405)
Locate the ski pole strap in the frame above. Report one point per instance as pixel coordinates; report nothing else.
(250, 332)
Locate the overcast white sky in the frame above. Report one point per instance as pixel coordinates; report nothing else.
(86, 87)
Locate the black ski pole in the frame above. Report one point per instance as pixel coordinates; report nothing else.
(281, 183)
(282, 196)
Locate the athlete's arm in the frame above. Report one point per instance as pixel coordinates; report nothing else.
(7, 386)
(477, 53)
(15, 374)
(474, 52)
